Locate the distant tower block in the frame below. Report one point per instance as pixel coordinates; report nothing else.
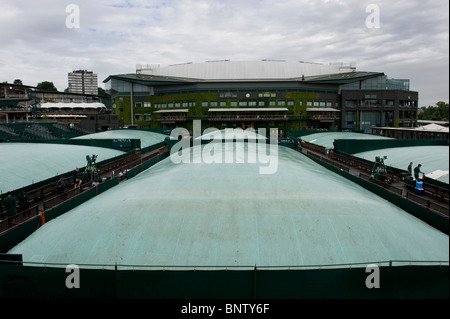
(83, 81)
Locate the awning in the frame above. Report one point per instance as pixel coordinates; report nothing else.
(321, 109)
(93, 105)
(282, 109)
(172, 111)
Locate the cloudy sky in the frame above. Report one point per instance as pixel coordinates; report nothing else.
(42, 42)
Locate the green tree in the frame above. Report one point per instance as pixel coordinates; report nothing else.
(102, 93)
(46, 86)
(440, 112)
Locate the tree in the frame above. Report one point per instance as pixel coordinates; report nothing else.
(18, 82)
(46, 86)
(440, 112)
(102, 93)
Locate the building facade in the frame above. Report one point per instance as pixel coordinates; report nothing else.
(15, 102)
(83, 81)
(262, 94)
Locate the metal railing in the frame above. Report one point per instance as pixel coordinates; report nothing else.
(116, 266)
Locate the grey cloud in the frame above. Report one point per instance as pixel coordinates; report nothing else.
(115, 35)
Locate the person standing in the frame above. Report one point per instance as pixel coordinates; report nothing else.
(409, 170)
(417, 171)
(22, 199)
(10, 204)
(76, 178)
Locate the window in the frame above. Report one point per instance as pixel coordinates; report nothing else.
(120, 86)
(138, 104)
(138, 117)
(272, 103)
(351, 103)
(261, 103)
(147, 104)
(223, 103)
(214, 103)
(147, 117)
(281, 103)
(267, 94)
(309, 103)
(252, 103)
(204, 103)
(242, 103)
(233, 103)
(227, 94)
(290, 103)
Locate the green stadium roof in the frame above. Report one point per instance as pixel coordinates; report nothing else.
(342, 78)
(156, 80)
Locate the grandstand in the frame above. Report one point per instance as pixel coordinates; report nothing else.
(38, 130)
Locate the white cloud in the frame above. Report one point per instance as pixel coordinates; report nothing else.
(115, 35)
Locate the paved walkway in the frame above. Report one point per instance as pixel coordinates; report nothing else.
(361, 169)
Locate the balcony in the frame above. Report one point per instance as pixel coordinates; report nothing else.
(242, 118)
(171, 119)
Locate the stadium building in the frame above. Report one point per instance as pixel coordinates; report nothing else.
(192, 225)
(267, 93)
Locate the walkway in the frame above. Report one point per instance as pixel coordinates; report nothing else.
(45, 197)
(434, 198)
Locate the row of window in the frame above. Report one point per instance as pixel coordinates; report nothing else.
(234, 104)
(375, 102)
(140, 117)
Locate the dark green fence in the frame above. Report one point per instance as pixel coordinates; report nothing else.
(350, 282)
(140, 168)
